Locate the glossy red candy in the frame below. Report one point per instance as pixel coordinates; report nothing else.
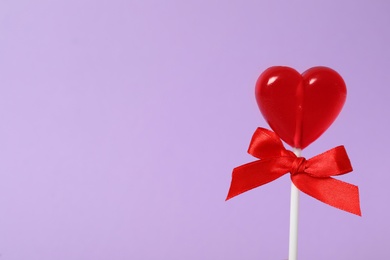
(299, 108)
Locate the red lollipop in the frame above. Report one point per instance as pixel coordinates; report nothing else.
(300, 108)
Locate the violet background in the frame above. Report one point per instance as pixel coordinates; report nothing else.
(121, 122)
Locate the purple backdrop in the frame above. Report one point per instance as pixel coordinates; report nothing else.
(121, 122)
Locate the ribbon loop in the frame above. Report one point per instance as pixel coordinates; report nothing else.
(309, 176)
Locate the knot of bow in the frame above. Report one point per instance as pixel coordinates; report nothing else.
(312, 176)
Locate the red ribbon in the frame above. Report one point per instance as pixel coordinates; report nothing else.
(309, 176)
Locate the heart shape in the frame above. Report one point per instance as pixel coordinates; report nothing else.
(300, 108)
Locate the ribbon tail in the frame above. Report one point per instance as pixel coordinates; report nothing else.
(336, 193)
(252, 175)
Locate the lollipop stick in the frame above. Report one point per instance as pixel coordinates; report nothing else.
(294, 206)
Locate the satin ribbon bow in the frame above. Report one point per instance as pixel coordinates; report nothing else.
(312, 176)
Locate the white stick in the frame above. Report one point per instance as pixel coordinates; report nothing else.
(294, 207)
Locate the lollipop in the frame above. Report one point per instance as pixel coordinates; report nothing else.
(299, 109)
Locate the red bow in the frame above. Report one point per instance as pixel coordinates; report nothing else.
(310, 176)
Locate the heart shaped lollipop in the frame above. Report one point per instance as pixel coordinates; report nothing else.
(300, 108)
